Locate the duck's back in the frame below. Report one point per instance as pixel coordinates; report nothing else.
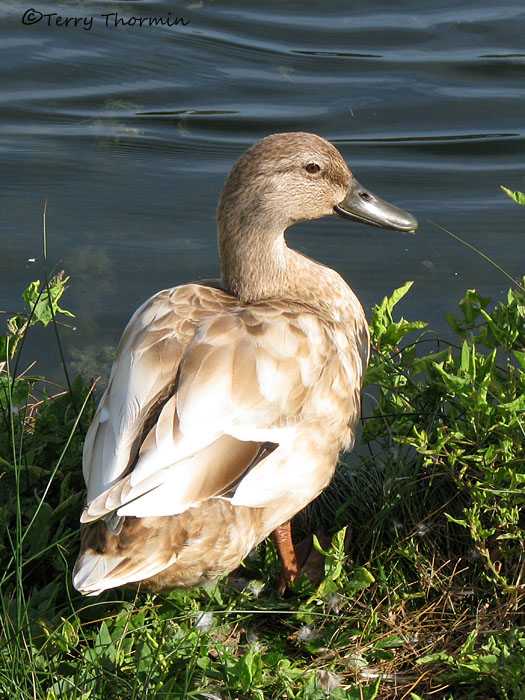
(218, 417)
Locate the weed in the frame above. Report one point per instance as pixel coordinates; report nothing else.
(423, 587)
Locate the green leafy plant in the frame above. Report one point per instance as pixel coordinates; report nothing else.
(42, 306)
(460, 409)
(518, 197)
(39, 495)
(491, 663)
(422, 593)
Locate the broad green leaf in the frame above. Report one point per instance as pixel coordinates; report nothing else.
(468, 647)
(248, 668)
(390, 642)
(459, 521)
(43, 304)
(517, 196)
(472, 305)
(67, 634)
(421, 364)
(4, 341)
(453, 382)
(394, 332)
(465, 357)
(362, 578)
(382, 321)
(432, 658)
(311, 690)
(397, 295)
(105, 644)
(520, 356)
(14, 392)
(8, 345)
(375, 375)
(516, 405)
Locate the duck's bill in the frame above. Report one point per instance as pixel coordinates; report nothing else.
(363, 206)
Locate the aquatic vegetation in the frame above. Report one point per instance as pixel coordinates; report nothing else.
(517, 196)
(423, 587)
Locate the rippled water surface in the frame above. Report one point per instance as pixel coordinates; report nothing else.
(129, 132)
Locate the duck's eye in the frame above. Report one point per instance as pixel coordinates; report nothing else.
(312, 168)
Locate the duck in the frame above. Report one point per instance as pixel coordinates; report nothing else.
(230, 400)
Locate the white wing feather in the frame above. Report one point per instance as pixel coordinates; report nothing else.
(244, 376)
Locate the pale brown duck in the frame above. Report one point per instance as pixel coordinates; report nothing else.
(230, 400)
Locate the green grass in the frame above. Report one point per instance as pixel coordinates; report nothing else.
(423, 589)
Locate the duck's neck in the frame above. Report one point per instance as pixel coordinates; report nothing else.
(257, 265)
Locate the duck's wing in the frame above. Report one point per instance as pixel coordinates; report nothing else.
(242, 384)
(142, 378)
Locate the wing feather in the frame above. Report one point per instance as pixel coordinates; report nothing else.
(142, 377)
(199, 383)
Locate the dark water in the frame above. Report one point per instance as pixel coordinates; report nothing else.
(129, 132)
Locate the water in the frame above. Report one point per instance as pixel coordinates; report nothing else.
(129, 132)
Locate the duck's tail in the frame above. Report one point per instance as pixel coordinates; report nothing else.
(110, 559)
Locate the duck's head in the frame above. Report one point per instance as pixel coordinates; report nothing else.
(292, 177)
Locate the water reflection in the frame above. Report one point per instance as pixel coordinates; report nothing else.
(129, 134)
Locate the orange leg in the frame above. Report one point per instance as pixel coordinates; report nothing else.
(282, 537)
(303, 558)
